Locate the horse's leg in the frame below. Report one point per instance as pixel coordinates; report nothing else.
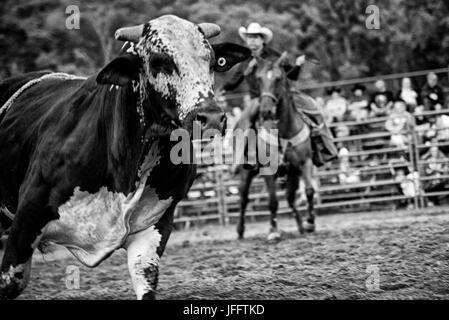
(246, 176)
(292, 187)
(270, 181)
(310, 192)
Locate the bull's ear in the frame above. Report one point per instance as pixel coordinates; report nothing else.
(120, 71)
(228, 55)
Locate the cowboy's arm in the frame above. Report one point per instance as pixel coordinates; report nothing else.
(292, 72)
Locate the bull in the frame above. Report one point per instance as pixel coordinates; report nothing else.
(85, 162)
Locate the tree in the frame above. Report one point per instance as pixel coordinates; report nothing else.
(413, 34)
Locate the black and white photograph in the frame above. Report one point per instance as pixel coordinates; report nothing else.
(241, 152)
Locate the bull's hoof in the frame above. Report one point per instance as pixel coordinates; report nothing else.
(309, 227)
(9, 290)
(149, 296)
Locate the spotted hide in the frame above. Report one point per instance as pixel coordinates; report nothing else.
(85, 162)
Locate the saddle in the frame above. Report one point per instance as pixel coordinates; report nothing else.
(323, 147)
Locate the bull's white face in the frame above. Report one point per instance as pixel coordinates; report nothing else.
(181, 45)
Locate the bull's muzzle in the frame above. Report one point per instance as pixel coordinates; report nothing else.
(210, 117)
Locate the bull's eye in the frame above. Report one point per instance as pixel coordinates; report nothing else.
(160, 62)
(221, 62)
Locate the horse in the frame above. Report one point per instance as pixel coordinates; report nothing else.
(277, 107)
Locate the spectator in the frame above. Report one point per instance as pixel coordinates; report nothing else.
(320, 103)
(432, 94)
(442, 128)
(419, 117)
(381, 100)
(424, 126)
(437, 129)
(359, 103)
(400, 125)
(436, 165)
(336, 105)
(347, 174)
(407, 179)
(410, 96)
(336, 111)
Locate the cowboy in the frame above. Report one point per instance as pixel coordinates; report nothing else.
(257, 38)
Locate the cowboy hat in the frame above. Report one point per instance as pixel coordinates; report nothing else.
(255, 28)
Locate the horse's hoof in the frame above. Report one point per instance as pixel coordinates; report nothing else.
(240, 232)
(274, 236)
(309, 227)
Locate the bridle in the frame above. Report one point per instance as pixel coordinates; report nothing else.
(268, 114)
(270, 95)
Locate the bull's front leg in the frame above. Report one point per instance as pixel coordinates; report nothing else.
(144, 250)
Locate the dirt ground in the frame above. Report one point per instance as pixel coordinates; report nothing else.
(376, 255)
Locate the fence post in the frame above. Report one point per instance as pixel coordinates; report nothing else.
(415, 145)
(221, 196)
(414, 164)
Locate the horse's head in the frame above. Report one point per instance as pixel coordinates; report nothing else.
(272, 83)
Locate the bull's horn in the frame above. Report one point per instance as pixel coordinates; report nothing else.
(132, 34)
(210, 30)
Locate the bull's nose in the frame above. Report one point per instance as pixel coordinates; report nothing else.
(213, 121)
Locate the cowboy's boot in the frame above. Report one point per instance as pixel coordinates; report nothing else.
(323, 139)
